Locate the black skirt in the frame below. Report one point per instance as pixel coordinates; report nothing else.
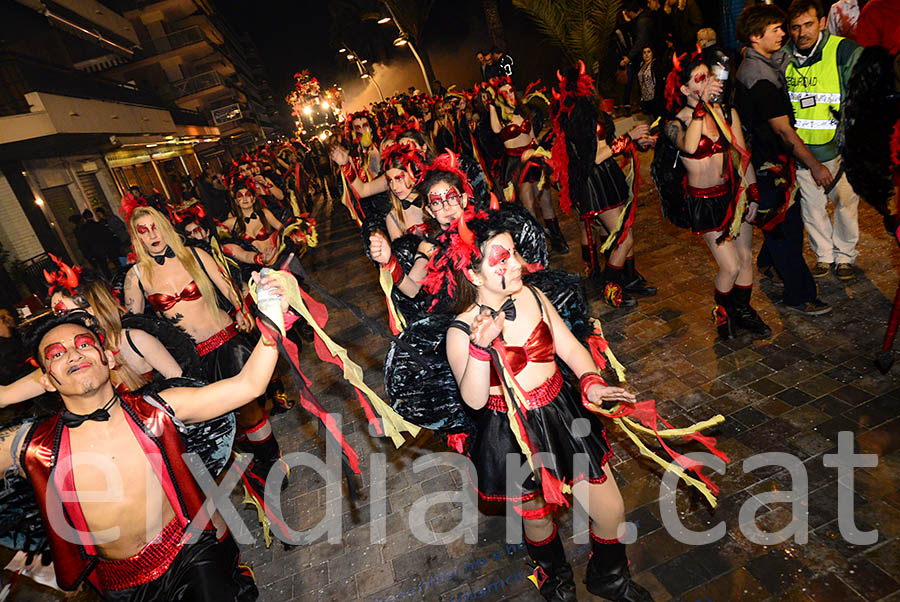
(550, 431)
(227, 359)
(606, 188)
(515, 171)
(709, 213)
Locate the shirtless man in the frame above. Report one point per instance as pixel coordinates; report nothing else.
(136, 543)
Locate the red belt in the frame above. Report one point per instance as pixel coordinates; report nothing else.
(217, 340)
(711, 192)
(518, 151)
(536, 398)
(149, 564)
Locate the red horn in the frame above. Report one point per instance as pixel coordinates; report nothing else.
(559, 76)
(495, 204)
(465, 234)
(555, 94)
(50, 278)
(580, 67)
(71, 278)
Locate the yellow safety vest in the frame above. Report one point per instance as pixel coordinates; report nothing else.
(815, 91)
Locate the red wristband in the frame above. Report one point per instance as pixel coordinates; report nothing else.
(394, 267)
(753, 193)
(257, 259)
(699, 111)
(479, 353)
(587, 381)
(348, 172)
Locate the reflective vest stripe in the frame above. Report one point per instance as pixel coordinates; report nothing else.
(821, 80)
(821, 97)
(815, 124)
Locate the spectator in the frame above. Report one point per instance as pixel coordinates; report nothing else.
(706, 38)
(503, 61)
(84, 244)
(819, 68)
(213, 196)
(13, 356)
(877, 25)
(636, 13)
(762, 101)
(842, 18)
(102, 246)
(115, 224)
(479, 56)
(652, 81)
(491, 68)
(686, 21)
(438, 89)
(730, 11)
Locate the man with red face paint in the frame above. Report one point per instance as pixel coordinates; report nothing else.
(136, 539)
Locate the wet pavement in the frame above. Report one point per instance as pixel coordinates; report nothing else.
(791, 393)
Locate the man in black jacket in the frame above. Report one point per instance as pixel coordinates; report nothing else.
(636, 13)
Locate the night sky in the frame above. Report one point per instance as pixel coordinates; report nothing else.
(291, 36)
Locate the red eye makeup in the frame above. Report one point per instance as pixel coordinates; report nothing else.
(700, 78)
(497, 255)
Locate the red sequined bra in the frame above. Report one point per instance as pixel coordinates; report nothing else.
(707, 147)
(164, 302)
(512, 130)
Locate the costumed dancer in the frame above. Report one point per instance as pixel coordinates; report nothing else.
(720, 197)
(184, 285)
(134, 340)
(169, 550)
(477, 272)
(584, 164)
(522, 166)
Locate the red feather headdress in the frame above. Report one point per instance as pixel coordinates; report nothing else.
(448, 162)
(457, 251)
(66, 278)
(407, 155)
(129, 204)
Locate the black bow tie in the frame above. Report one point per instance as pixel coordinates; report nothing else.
(161, 258)
(252, 217)
(407, 202)
(72, 420)
(508, 308)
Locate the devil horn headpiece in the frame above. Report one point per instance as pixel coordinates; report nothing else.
(129, 204)
(448, 162)
(66, 278)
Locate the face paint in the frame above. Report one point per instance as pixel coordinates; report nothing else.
(79, 341)
(700, 78)
(450, 197)
(59, 307)
(366, 139)
(499, 255)
(145, 229)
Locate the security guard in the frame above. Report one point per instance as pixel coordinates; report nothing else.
(817, 76)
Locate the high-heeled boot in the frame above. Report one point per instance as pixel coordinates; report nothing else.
(613, 292)
(558, 242)
(553, 573)
(745, 316)
(722, 313)
(608, 575)
(634, 282)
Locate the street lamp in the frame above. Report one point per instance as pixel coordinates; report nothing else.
(363, 70)
(384, 20)
(404, 40)
(342, 51)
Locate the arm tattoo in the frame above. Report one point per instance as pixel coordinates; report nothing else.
(672, 130)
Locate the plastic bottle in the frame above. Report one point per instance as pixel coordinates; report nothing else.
(720, 72)
(268, 303)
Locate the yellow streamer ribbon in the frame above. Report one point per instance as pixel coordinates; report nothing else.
(398, 322)
(394, 425)
(626, 209)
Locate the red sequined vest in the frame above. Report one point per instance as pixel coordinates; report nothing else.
(46, 447)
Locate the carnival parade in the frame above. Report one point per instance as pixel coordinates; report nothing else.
(551, 332)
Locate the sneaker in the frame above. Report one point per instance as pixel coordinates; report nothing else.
(845, 271)
(821, 269)
(772, 276)
(812, 308)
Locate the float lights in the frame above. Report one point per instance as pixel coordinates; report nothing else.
(325, 105)
(307, 110)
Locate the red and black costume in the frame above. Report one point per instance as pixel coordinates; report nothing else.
(179, 564)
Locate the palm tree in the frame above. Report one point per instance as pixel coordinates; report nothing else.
(580, 28)
(494, 24)
(411, 16)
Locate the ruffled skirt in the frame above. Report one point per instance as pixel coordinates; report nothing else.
(605, 188)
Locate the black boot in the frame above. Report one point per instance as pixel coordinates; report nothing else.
(613, 293)
(586, 253)
(557, 240)
(275, 392)
(723, 315)
(745, 316)
(608, 575)
(553, 573)
(635, 283)
(266, 452)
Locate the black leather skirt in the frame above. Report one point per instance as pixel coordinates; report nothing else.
(605, 188)
(550, 430)
(710, 209)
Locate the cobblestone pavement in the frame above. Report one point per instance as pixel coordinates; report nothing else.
(792, 393)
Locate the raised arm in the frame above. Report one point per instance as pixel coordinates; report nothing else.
(495, 120)
(155, 353)
(219, 398)
(134, 296)
(473, 371)
(27, 387)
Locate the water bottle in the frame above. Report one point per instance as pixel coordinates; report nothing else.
(269, 303)
(720, 72)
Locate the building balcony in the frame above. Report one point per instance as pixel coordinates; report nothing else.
(197, 83)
